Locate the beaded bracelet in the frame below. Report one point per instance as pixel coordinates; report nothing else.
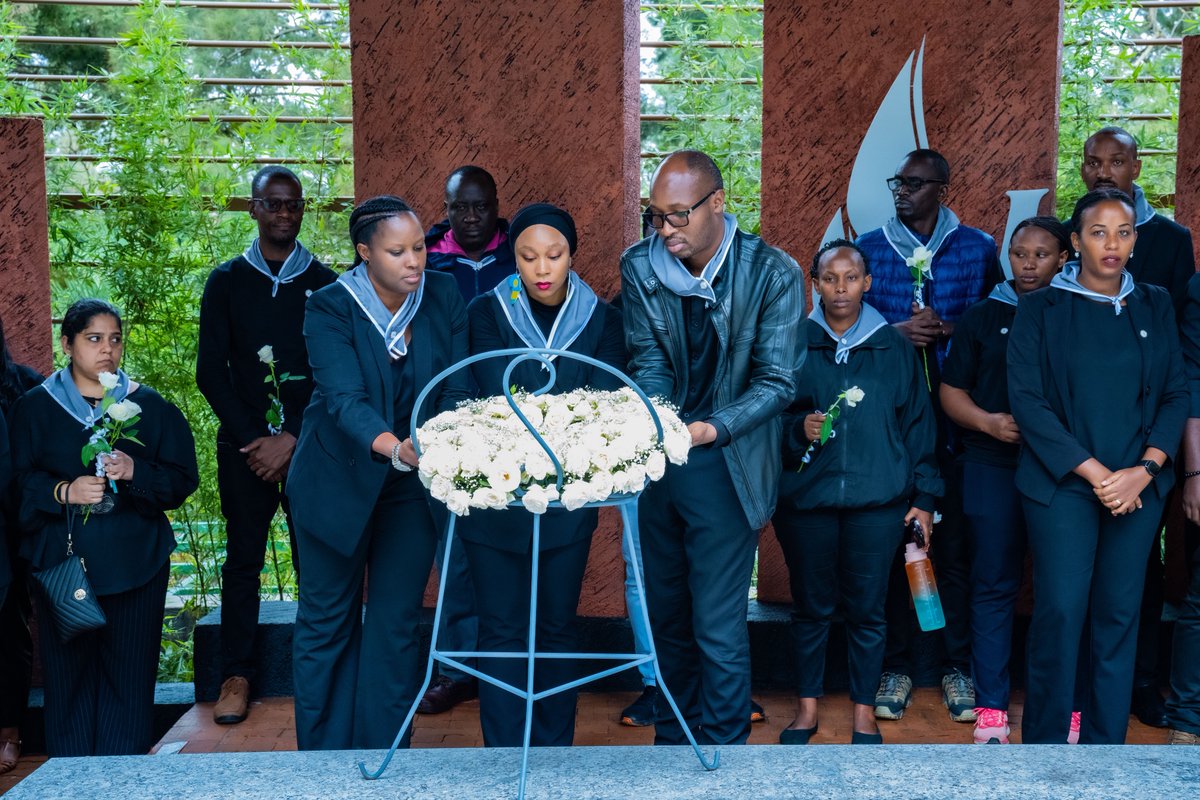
(1191, 474)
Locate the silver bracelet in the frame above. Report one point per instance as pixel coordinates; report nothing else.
(397, 464)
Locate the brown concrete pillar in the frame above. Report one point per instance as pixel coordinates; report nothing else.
(24, 243)
(849, 86)
(544, 96)
(1187, 169)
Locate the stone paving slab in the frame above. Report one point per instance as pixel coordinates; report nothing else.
(913, 772)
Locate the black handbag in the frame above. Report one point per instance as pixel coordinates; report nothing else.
(68, 591)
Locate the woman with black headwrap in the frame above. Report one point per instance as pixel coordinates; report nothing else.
(375, 338)
(546, 304)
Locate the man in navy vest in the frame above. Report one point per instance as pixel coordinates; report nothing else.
(958, 266)
(1162, 256)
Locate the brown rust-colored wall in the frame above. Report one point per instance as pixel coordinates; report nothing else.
(24, 242)
(1187, 169)
(544, 95)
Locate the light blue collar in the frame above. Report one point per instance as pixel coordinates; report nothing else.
(1068, 280)
(1141, 206)
(671, 272)
(1004, 292)
(573, 314)
(295, 264)
(390, 326)
(61, 386)
(904, 241)
(869, 320)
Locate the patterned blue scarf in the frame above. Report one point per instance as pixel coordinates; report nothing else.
(573, 314)
(390, 326)
(1068, 280)
(61, 386)
(671, 272)
(869, 320)
(295, 264)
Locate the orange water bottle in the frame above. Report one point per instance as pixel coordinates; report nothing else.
(923, 586)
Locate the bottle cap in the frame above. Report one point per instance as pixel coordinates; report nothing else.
(913, 553)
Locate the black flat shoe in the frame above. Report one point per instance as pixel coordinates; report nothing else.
(1148, 706)
(797, 735)
(866, 738)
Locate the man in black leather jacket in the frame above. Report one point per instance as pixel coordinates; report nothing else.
(713, 319)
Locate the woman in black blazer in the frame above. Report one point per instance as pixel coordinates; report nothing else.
(551, 307)
(375, 338)
(1097, 389)
(100, 685)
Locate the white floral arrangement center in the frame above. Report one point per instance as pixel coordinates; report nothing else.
(480, 455)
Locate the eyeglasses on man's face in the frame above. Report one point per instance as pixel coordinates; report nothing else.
(678, 219)
(275, 204)
(912, 184)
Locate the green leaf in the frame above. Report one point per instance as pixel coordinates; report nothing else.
(827, 427)
(833, 414)
(87, 454)
(285, 376)
(131, 437)
(267, 379)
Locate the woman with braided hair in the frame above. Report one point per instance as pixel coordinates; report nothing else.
(375, 338)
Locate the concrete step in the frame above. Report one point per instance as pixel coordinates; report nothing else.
(914, 772)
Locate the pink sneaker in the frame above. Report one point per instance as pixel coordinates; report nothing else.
(991, 726)
(1073, 735)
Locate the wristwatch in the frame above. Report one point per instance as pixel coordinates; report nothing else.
(397, 464)
(1151, 466)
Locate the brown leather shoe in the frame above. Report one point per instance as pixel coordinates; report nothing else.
(234, 704)
(10, 754)
(444, 694)
(1182, 737)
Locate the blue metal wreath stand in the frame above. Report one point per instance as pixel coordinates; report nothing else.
(627, 503)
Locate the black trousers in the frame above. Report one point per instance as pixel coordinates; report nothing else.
(501, 579)
(1183, 707)
(100, 685)
(839, 555)
(951, 556)
(1088, 571)
(248, 504)
(356, 675)
(1145, 665)
(698, 556)
(16, 647)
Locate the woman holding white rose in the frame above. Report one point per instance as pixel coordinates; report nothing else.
(100, 685)
(858, 464)
(546, 304)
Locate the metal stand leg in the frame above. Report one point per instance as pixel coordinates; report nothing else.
(531, 653)
(629, 517)
(433, 653)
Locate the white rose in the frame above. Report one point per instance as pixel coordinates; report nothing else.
(637, 477)
(488, 497)
(537, 463)
(677, 445)
(600, 486)
(535, 499)
(266, 355)
(656, 465)
(459, 503)
(575, 495)
(854, 396)
(578, 459)
(503, 476)
(109, 380)
(124, 410)
(440, 487)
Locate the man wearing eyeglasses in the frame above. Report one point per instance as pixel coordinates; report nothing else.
(471, 243)
(962, 267)
(713, 320)
(252, 302)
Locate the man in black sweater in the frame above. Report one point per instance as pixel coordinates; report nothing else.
(1163, 256)
(251, 330)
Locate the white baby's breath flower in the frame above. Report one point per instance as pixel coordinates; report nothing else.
(109, 380)
(124, 410)
(266, 354)
(854, 396)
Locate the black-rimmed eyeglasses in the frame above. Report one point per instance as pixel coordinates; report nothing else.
(678, 219)
(912, 184)
(275, 205)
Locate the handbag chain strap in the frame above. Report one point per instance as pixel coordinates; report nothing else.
(70, 520)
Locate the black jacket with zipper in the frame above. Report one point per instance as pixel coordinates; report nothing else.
(882, 449)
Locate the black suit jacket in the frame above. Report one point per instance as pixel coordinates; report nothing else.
(1040, 393)
(335, 478)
